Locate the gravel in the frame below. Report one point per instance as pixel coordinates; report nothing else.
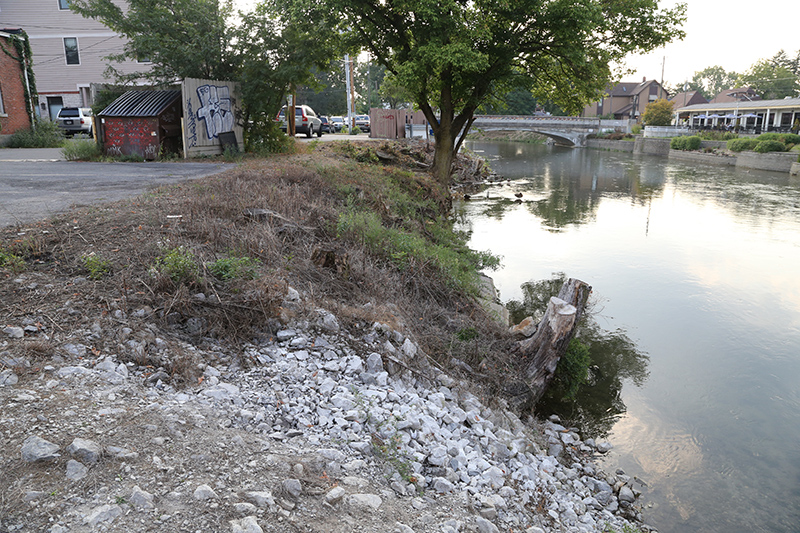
(320, 430)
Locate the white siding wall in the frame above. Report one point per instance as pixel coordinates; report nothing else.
(47, 25)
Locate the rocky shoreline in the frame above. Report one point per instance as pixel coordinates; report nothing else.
(318, 429)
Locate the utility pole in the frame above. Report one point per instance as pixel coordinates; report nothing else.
(290, 112)
(351, 95)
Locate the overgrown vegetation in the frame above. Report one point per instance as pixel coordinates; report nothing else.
(46, 134)
(81, 149)
(692, 142)
(219, 273)
(766, 142)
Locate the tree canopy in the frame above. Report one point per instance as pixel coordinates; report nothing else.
(206, 39)
(658, 113)
(452, 55)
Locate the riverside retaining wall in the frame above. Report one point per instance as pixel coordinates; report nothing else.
(777, 161)
(614, 146)
(700, 157)
(643, 145)
(774, 161)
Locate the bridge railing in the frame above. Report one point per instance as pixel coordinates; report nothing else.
(516, 121)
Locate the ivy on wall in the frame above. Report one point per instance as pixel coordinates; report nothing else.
(24, 57)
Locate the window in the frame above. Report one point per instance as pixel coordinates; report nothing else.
(63, 4)
(71, 50)
(2, 108)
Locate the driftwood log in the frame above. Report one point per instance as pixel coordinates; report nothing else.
(540, 353)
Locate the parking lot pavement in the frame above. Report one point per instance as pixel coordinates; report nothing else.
(33, 186)
(31, 154)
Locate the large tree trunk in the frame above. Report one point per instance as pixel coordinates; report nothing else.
(541, 352)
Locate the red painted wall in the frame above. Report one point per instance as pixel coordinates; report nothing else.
(13, 91)
(131, 136)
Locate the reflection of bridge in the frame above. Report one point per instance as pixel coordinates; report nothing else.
(571, 131)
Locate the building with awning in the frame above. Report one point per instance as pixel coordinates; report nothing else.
(757, 115)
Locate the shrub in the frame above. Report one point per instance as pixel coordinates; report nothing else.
(229, 268)
(739, 145)
(81, 150)
(769, 146)
(45, 135)
(179, 265)
(636, 129)
(785, 138)
(573, 369)
(685, 143)
(267, 138)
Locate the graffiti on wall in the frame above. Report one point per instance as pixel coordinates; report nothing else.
(216, 109)
(133, 136)
(191, 125)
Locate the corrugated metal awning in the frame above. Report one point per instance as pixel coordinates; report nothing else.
(140, 104)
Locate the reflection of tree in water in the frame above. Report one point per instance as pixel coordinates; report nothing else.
(566, 191)
(614, 355)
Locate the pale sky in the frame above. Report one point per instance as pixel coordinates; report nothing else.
(733, 34)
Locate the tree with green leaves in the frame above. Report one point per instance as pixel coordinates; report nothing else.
(712, 80)
(658, 113)
(770, 80)
(180, 38)
(452, 55)
(202, 39)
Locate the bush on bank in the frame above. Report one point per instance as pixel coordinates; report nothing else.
(685, 143)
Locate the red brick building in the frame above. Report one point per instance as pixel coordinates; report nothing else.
(13, 113)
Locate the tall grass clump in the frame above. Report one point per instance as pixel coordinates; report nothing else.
(45, 135)
(81, 150)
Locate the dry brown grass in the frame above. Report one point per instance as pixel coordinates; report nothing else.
(301, 197)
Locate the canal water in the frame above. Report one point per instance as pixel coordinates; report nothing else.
(699, 266)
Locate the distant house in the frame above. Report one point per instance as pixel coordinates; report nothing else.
(626, 100)
(14, 115)
(687, 98)
(69, 51)
(737, 94)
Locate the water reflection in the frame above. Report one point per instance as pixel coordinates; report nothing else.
(566, 189)
(615, 358)
(698, 264)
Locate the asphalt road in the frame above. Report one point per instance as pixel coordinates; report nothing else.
(38, 183)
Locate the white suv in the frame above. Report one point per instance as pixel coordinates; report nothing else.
(75, 120)
(305, 121)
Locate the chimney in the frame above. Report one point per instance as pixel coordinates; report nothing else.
(644, 79)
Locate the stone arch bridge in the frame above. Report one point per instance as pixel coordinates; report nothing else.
(569, 131)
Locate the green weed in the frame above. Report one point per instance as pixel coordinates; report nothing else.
(229, 268)
(96, 266)
(179, 265)
(12, 262)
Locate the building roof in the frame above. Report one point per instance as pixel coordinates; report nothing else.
(737, 94)
(140, 104)
(628, 88)
(687, 97)
(756, 105)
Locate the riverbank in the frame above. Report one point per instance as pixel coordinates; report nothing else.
(713, 152)
(266, 350)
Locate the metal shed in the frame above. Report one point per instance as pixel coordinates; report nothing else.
(142, 123)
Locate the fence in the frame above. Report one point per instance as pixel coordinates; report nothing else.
(392, 123)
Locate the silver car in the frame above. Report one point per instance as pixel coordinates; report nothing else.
(305, 121)
(74, 120)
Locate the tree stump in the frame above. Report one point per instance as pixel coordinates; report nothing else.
(541, 352)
